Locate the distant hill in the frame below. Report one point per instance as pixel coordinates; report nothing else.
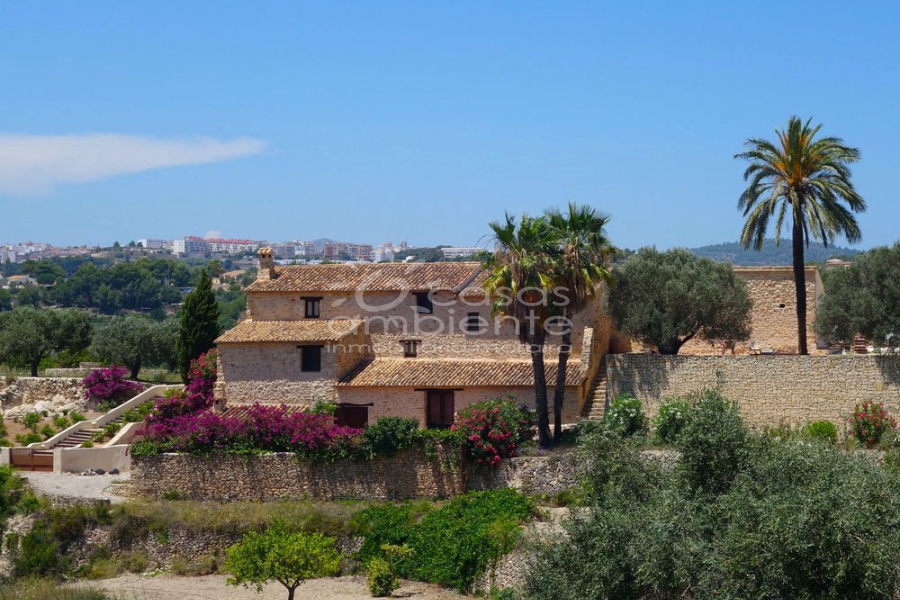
(770, 254)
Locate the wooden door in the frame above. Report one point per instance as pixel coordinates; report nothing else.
(439, 408)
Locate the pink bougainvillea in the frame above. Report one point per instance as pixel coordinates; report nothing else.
(109, 386)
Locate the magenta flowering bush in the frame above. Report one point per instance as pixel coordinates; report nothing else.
(264, 429)
(870, 422)
(495, 429)
(201, 377)
(109, 387)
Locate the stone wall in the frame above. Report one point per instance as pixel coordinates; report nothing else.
(23, 395)
(407, 474)
(774, 315)
(531, 475)
(770, 389)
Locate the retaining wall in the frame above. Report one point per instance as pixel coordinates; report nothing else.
(409, 473)
(769, 389)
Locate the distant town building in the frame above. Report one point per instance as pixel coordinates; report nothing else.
(284, 249)
(460, 251)
(190, 246)
(229, 246)
(384, 252)
(360, 252)
(305, 249)
(152, 244)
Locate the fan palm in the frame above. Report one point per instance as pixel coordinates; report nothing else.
(809, 180)
(579, 267)
(518, 281)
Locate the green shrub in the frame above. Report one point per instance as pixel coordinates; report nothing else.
(799, 520)
(47, 431)
(41, 589)
(31, 420)
(454, 544)
(824, 431)
(28, 438)
(61, 422)
(670, 420)
(390, 434)
(323, 407)
(77, 417)
(382, 581)
(626, 416)
(713, 443)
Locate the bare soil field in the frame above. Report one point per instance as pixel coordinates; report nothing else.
(213, 587)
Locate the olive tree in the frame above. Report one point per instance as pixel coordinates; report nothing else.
(134, 341)
(666, 299)
(278, 554)
(29, 335)
(863, 298)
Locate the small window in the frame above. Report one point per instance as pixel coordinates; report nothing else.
(351, 415)
(311, 358)
(312, 308)
(411, 348)
(424, 304)
(473, 322)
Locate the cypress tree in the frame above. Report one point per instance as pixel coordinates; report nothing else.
(199, 327)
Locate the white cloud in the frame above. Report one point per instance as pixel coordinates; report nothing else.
(35, 165)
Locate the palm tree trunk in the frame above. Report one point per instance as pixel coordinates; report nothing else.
(540, 387)
(559, 392)
(800, 285)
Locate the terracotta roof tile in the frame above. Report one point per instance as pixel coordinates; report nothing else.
(309, 330)
(417, 372)
(390, 277)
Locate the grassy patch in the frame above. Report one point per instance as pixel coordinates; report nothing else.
(41, 589)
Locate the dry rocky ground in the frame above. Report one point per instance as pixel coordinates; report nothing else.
(213, 587)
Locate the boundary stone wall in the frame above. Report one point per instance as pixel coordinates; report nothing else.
(770, 390)
(410, 473)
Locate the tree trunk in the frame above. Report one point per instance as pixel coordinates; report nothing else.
(34, 367)
(135, 369)
(291, 593)
(800, 285)
(540, 387)
(559, 393)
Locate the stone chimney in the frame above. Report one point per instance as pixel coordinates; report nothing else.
(266, 265)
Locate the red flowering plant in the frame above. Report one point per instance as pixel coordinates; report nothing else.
(107, 388)
(495, 429)
(870, 421)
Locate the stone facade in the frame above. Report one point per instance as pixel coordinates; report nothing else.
(769, 389)
(410, 402)
(409, 473)
(774, 315)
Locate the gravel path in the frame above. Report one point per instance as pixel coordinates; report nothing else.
(212, 587)
(70, 486)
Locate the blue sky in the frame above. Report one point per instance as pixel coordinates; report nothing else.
(375, 121)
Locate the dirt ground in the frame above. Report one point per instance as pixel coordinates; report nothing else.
(213, 587)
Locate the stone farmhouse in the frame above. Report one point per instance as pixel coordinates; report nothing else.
(419, 341)
(410, 340)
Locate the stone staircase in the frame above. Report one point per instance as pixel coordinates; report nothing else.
(595, 403)
(85, 435)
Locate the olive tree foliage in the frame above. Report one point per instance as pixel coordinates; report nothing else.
(28, 335)
(741, 516)
(666, 299)
(135, 341)
(863, 298)
(278, 554)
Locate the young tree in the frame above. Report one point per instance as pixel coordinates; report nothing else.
(863, 299)
(29, 335)
(583, 252)
(666, 299)
(134, 341)
(198, 327)
(290, 558)
(519, 282)
(807, 179)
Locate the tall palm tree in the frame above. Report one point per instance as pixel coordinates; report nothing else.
(809, 179)
(518, 281)
(580, 265)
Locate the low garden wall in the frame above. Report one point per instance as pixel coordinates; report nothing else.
(531, 475)
(22, 395)
(770, 390)
(410, 473)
